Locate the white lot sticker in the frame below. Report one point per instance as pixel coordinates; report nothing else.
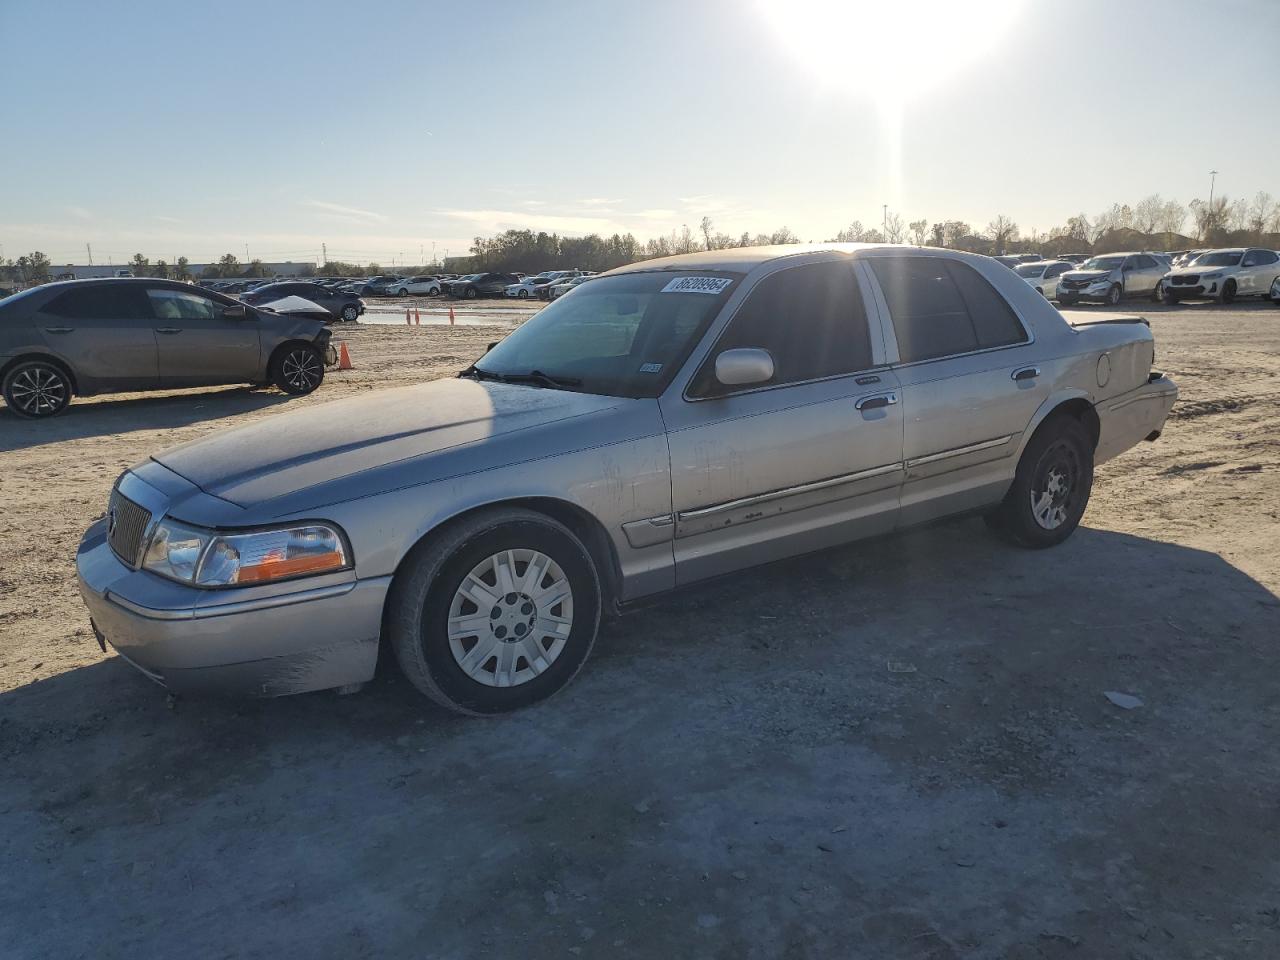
(711, 285)
(650, 368)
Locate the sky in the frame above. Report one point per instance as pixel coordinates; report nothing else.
(385, 130)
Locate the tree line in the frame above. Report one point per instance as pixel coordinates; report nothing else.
(1153, 223)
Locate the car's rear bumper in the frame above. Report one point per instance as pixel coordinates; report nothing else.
(1127, 420)
(306, 637)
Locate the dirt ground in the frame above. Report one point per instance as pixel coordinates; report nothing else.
(900, 749)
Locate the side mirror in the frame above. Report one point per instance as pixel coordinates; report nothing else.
(744, 366)
(238, 312)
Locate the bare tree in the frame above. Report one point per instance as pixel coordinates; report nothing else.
(919, 231)
(1172, 216)
(1261, 211)
(1238, 215)
(954, 231)
(1146, 215)
(939, 235)
(1210, 218)
(894, 230)
(1002, 230)
(854, 233)
(707, 227)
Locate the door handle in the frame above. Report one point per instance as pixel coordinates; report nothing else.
(876, 402)
(59, 329)
(1026, 373)
(168, 329)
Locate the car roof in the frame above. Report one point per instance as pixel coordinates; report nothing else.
(91, 281)
(746, 259)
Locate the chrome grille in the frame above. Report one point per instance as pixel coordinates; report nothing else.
(126, 525)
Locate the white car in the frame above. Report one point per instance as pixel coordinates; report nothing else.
(1043, 275)
(529, 286)
(1223, 275)
(411, 286)
(558, 290)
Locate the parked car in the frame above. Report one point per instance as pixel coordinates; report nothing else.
(1043, 276)
(1009, 261)
(1187, 257)
(1224, 275)
(905, 385)
(378, 286)
(341, 305)
(1274, 296)
(528, 287)
(1112, 277)
(1076, 258)
(417, 286)
(479, 285)
(86, 337)
(561, 287)
(1029, 257)
(544, 291)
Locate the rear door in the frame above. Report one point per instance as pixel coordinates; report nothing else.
(809, 459)
(198, 345)
(104, 331)
(969, 386)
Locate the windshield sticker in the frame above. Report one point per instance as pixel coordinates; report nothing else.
(650, 368)
(711, 285)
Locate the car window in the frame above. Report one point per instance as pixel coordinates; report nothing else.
(105, 302)
(180, 305)
(1146, 263)
(943, 307)
(811, 319)
(1266, 257)
(1057, 270)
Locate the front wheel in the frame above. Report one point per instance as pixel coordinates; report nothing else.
(1170, 298)
(37, 389)
(1158, 293)
(1050, 488)
(1228, 292)
(351, 313)
(1065, 301)
(522, 294)
(1114, 295)
(298, 370)
(498, 612)
(472, 293)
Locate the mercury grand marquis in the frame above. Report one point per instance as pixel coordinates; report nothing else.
(662, 423)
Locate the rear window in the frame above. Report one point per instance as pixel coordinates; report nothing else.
(941, 308)
(100, 302)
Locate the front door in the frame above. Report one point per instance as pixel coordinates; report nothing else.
(104, 330)
(968, 386)
(198, 346)
(811, 458)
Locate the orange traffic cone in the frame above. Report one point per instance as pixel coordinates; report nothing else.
(344, 358)
(417, 317)
(407, 321)
(451, 316)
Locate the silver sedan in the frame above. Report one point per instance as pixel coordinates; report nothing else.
(666, 422)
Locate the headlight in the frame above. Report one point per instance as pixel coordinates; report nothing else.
(210, 559)
(1213, 276)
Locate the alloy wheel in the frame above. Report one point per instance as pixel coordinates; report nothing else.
(38, 391)
(302, 370)
(510, 618)
(1053, 491)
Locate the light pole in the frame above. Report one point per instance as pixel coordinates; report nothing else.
(884, 226)
(1213, 179)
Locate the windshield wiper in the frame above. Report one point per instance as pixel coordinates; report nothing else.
(536, 377)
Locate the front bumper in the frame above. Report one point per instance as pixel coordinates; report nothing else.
(303, 635)
(1097, 292)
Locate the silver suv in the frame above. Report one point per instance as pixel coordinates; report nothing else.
(1111, 277)
(106, 336)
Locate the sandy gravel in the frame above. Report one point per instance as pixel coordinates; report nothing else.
(742, 770)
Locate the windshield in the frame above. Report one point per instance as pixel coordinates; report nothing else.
(1219, 258)
(623, 336)
(1103, 263)
(1030, 270)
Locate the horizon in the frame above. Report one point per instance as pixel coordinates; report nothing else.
(743, 114)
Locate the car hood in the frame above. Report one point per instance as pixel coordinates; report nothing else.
(293, 452)
(1197, 270)
(1087, 274)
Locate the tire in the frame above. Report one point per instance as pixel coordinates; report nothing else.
(522, 294)
(298, 369)
(1228, 292)
(351, 313)
(1060, 446)
(1157, 295)
(37, 389)
(1066, 301)
(1170, 298)
(428, 593)
(472, 293)
(1115, 295)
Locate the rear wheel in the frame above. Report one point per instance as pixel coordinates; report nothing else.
(351, 313)
(498, 612)
(298, 369)
(1228, 292)
(1051, 487)
(37, 389)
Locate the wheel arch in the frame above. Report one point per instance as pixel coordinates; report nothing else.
(1075, 404)
(47, 358)
(585, 526)
(284, 345)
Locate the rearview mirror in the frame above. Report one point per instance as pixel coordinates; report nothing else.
(237, 312)
(743, 366)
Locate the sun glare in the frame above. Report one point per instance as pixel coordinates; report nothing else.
(886, 51)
